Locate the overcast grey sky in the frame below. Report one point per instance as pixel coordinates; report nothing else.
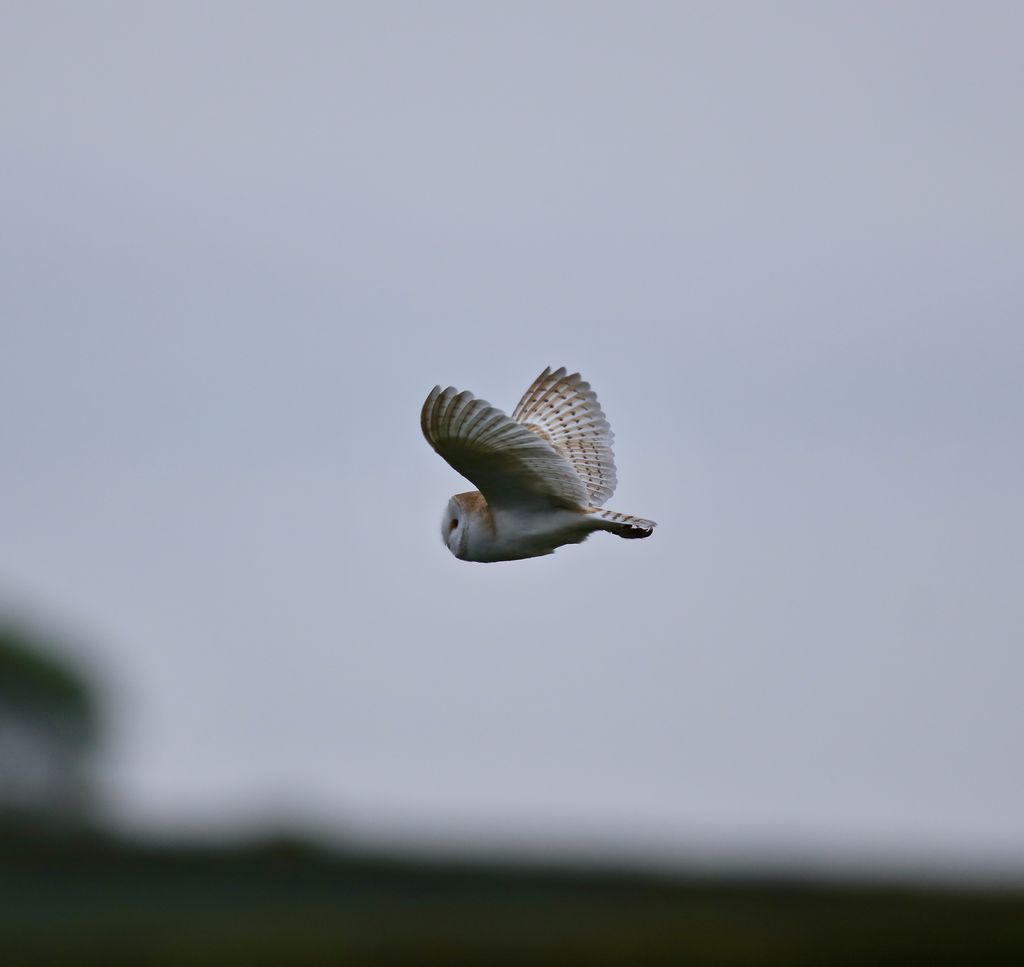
(784, 243)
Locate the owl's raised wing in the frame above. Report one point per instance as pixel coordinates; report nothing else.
(512, 466)
(564, 410)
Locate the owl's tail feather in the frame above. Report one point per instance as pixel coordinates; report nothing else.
(623, 524)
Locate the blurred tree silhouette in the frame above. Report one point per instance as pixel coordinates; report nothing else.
(49, 726)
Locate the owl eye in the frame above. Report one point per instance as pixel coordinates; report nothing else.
(452, 524)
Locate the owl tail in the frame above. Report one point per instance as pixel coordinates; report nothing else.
(623, 524)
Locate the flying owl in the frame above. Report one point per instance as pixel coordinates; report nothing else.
(543, 474)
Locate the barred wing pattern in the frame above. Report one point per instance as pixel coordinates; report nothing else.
(511, 465)
(564, 411)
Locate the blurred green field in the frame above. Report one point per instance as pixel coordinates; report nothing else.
(74, 893)
(92, 899)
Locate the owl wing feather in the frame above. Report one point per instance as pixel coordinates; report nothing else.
(564, 410)
(511, 465)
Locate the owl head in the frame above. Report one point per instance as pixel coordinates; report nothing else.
(466, 517)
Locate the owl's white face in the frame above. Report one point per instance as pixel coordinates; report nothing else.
(455, 528)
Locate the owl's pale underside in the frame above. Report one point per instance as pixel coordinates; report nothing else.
(543, 474)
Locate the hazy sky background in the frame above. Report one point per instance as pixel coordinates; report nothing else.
(783, 241)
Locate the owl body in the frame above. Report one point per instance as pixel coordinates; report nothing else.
(472, 531)
(543, 473)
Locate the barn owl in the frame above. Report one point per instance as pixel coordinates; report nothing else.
(543, 474)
